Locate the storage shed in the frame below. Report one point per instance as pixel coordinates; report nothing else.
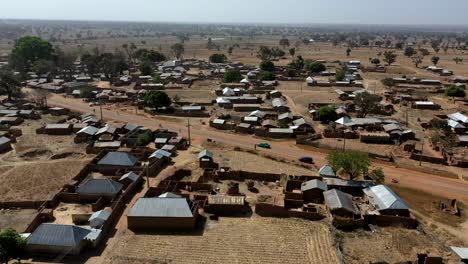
(340, 203)
(385, 201)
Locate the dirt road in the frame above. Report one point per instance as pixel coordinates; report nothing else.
(441, 186)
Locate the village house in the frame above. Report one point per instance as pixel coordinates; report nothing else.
(340, 204)
(93, 189)
(312, 191)
(5, 144)
(59, 239)
(152, 214)
(97, 219)
(114, 161)
(205, 158)
(385, 201)
(58, 129)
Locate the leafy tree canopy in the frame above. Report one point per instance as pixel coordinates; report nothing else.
(267, 76)
(366, 103)
(218, 58)
(455, 91)
(267, 66)
(28, 50)
(157, 99)
(146, 68)
(327, 114)
(353, 163)
(316, 67)
(232, 76)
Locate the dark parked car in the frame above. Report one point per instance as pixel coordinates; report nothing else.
(307, 159)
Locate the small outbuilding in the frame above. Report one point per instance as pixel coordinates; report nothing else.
(312, 191)
(340, 204)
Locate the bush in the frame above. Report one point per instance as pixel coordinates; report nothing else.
(340, 75)
(377, 175)
(267, 76)
(218, 58)
(143, 139)
(232, 76)
(146, 68)
(327, 114)
(316, 67)
(455, 91)
(267, 66)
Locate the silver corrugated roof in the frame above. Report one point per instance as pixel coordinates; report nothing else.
(161, 207)
(327, 171)
(382, 197)
(314, 184)
(58, 235)
(100, 186)
(336, 199)
(205, 154)
(118, 159)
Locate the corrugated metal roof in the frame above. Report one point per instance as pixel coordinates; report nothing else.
(205, 154)
(130, 175)
(118, 159)
(382, 198)
(461, 252)
(161, 207)
(58, 235)
(89, 130)
(327, 171)
(314, 184)
(336, 199)
(158, 154)
(169, 195)
(103, 215)
(4, 140)
(100, 186)
(459, 117)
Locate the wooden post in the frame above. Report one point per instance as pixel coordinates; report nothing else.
(420, 155)
(188, 127)
(100, 109)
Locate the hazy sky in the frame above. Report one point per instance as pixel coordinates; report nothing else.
(244, 11)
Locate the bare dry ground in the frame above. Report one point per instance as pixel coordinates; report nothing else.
(389, 245)
(39, 165)
(37, 181)
(17, 219)
(232, 240)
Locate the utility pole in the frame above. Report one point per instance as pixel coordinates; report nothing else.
(147, 175)
(420, 155)
(100, 108)
(406, 116)
(188, 127)
(344, 143)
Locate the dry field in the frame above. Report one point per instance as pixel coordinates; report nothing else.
(17, 219)
(37, 180)
(193, 96)
(389, 245)
(39, 165)
(231, 240)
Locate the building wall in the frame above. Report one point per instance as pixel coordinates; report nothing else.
(145, 224)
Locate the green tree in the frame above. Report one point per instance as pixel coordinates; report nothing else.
(267, 66)
(455, 91)
(353, 163)
(264, 53)
(284, 42)
(340, 75)
(218, 58)
(375, 61)
(389, 57)
(366, 103)
(388, 82)
(292, 52)
(377, 175)
(178, 50)
(28, 50)
(146, 68)
(458, 60)
(435, 60)
(424, 52)
(12, 245)
(409, 51)
(9, 84)
(42, 66)
(232, 76)
(157, 99)
(417, 59)
(399, 45)
(156, 78)
(86, 92)
(143, 139)
(151, 55)
(267, 76)
(348, 52)
(316, 67)
(327, 114)
(277, 52)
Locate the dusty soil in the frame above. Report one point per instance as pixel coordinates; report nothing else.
(390, 245)
(232, 240)
(39, 165)
(17, 219)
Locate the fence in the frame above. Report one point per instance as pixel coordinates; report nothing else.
(390, 220)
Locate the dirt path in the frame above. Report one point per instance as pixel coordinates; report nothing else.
(442, 186)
